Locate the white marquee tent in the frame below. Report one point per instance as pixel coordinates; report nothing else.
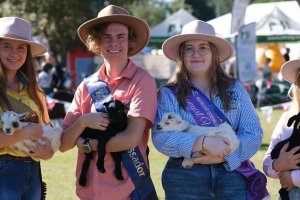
(275, 21)
(170, 26)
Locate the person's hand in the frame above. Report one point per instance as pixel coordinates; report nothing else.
(287, 160)
(42, 150)
(286, 180)
(216, 146)
(98, 120)
(208, 159)
(33, 131)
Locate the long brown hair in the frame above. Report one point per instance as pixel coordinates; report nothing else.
(33, 88)
(220, 81)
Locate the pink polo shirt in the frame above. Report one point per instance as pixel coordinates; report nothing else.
(136, 87)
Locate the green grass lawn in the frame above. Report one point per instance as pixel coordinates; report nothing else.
(59, 172)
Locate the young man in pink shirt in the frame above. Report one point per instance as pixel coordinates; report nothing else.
(115, 36)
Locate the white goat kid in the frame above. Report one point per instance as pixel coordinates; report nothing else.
(11, 122)
(173, 122)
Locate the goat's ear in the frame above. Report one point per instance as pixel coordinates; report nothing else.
(21, 116)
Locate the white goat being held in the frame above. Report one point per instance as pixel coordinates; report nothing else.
(11, 122)
(173, 122)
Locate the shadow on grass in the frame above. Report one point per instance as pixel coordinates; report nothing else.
(264, 146)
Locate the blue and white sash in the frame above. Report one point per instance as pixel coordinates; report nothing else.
(132, 158)
(207, 114)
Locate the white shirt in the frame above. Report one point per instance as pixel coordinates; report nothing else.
(281, 132)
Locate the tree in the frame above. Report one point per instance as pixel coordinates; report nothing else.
(57, 20)
(153, 12)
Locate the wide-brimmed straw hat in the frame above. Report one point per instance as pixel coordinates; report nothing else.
(197, 30)
(15, 28)
(117, 14)
(290, 70)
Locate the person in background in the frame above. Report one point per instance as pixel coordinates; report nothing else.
(115, 36)
(286, 55)
(20, 172)
(285, 167)
(45, 78)
(202, 94)
(59, 77)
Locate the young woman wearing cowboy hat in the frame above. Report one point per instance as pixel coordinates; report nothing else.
(285, 166)
(115, 36)
(19, 91)
(199, 53)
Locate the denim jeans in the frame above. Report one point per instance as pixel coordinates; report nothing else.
(19, 180)
(209, 182)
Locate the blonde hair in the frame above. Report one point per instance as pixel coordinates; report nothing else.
(294, 93)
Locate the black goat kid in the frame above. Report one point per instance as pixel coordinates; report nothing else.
(118, 122)
(294, 141)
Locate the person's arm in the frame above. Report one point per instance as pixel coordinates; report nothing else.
(130, 137)
(31, 131)
(141, 113)
(42, 151)
(277, 136)
(127, 139)
(76, 121)
(246, 124)
(172, 143)
(287, 160)
(72, 133)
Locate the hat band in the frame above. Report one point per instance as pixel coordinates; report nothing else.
(15, 36)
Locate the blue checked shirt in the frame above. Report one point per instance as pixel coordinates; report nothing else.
(242, 116)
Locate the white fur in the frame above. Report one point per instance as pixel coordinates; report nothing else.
(11, 122)
(173, 122)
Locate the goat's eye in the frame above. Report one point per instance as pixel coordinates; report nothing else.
(169, 116)
(167, 123)
(15, 124)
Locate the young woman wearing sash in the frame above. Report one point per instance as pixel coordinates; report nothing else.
(285, 166)
(202, 94)
(20, 174)
(115, 36)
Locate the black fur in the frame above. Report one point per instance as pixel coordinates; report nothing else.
(294, 141)
(118, 122)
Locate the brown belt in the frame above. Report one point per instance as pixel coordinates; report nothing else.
(10, 157)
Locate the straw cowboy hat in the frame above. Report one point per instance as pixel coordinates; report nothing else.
(197, 30)
(117, 14)
(290, 70)
(15, 28)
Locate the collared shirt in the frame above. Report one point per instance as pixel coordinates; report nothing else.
(281, 132)
(242, 117)
(22, 99)
(136, 87)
